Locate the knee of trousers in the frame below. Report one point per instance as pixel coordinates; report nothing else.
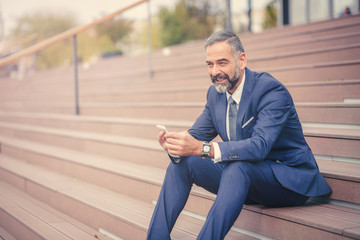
(238, 172)
(186, 164)
(185, 167)
(180, 169)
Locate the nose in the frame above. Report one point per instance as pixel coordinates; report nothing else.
(214, 71)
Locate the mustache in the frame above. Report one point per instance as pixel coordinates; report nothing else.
(219, 76)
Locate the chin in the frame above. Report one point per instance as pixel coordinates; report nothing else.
(221, 88)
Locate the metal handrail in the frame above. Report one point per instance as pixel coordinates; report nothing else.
(72, 33)
(62, 36)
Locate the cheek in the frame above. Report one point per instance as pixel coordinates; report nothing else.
(209, 71)
(231, 73)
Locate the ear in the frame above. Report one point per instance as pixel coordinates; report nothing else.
(242, 60)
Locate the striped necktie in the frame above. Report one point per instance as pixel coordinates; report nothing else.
(232, 119)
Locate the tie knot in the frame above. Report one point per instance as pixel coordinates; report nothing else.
(231, 100)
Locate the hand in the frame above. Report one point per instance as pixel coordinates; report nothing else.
(162, 140)
(181, 143)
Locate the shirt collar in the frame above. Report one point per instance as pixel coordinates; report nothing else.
(238, 92)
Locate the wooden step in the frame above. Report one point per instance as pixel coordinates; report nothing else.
(147, 151)
(28, 218)
(348, 173)
(293, 33)
(84, 166)
(319, 55)
(66, 103)
(334, 142)
(67, 161)
(334, 224)
(324, 91)
(321, 91)
(323, 71)
(97, 207)
(196, 54)
(329, 112)
(309, 44)
(74, 132)
(142, 181)
(251, 41)
(255, 61)
(57, 107)
(128, 127)
(103, 209)
(316, 72)
(5, 235)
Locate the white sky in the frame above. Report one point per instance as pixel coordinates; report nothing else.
(89, 10)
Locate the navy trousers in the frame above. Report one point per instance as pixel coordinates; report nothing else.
(235, 183)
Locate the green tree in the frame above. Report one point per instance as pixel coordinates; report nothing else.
(43, 26)
(116, 29)
(270, 16)
(142, 37)
(189, 20)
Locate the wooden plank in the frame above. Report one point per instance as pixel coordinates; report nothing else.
(5, 235)
(110, 202)
(56, 220)
(31, 222)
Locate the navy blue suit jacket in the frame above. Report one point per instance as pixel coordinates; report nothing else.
(268, 128)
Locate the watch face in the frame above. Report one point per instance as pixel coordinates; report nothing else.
(206, 149)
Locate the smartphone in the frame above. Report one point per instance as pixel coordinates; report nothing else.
(163, 128)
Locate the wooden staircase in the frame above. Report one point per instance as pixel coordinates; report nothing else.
(97, 175)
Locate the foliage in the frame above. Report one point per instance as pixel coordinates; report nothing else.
(189, 20)
(270, 16)
(116, 29)
(61, 53)
(90, 43)
(43, 25)
(142, 37)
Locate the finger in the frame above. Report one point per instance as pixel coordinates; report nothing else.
(171, 146)
(171, 135)
(161, 135)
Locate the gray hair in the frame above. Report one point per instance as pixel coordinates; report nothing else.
(232, 39)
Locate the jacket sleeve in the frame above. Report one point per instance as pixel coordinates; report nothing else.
(203, 129)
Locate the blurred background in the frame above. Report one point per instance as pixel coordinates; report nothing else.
(25, 23)
(83, 84)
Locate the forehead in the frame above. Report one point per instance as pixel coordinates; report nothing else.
(219, 50)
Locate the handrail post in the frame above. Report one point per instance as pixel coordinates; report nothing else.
(75, 62)
(229, 17)
(149, 39)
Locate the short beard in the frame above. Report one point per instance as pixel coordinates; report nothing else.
(229, 85)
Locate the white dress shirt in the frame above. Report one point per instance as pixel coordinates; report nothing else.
(237, 97)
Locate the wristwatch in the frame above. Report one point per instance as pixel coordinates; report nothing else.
(205, 149)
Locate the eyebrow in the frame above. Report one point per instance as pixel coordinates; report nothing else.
(222, 59)
(218, 60)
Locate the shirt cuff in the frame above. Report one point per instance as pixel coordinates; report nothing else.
(217, 152)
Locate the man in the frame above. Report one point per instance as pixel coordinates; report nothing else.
(263, 158)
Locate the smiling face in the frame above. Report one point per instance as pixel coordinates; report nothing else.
(225, 69)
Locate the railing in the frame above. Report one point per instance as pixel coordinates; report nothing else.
(72, 33)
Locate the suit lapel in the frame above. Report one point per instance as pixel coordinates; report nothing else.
(244, 102)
